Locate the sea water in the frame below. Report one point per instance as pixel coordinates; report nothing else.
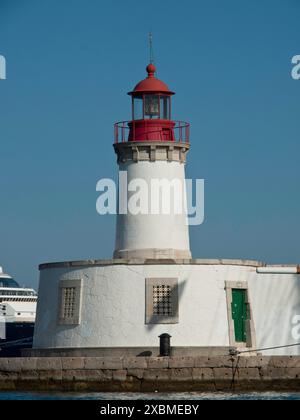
(155, 396)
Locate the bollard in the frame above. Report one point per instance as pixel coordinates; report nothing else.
(233, 351)
(165, 345)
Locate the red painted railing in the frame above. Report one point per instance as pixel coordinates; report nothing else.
(122, 129)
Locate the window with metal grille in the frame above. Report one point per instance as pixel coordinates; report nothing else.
(70, 302)
(162, 301)
(68, 305)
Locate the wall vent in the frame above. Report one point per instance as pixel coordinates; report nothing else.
(70, 302)
(162, 301)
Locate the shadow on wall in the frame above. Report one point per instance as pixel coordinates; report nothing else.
(223, 334)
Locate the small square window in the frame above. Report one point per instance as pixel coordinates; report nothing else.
(70, 302)
(161, 301)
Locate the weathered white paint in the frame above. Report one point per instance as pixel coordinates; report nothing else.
(275, 302)
(153, 231)
(113, 306)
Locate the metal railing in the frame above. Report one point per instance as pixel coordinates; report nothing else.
(181, 131)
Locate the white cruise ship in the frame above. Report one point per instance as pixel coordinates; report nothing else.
(17, 316)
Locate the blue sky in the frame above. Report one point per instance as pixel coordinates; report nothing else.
(70, 64)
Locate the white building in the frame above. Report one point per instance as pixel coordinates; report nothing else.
(153, 286)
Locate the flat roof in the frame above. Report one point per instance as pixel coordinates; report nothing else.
(104, 263)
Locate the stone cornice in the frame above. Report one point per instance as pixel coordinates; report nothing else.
(151, 151)
(104, 263)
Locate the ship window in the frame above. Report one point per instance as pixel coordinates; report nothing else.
(4, 282)
(70, 302)
(162, 301)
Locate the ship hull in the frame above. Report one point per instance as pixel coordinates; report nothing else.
(19, 336)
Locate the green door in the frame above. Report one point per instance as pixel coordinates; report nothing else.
(240, 314)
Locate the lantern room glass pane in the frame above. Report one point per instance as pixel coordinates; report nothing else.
(165, 108)
(152, 106)
(138, 113)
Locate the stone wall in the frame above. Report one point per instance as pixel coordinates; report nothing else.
(141, 374)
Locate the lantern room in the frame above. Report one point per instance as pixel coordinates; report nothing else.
(151, 98)
(151, 114)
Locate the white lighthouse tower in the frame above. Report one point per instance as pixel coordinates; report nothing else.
(151, 152)
(153, 286)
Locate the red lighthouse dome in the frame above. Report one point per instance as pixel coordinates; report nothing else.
(151, 84)
(151, 113)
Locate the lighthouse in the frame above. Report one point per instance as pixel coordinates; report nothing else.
(152, 287)
(152, 147)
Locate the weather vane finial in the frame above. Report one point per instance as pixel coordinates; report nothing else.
(151, 48)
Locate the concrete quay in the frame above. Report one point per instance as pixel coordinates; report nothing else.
(149, 374)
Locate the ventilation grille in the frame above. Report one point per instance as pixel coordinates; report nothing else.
(162, 300)
(69, 302)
